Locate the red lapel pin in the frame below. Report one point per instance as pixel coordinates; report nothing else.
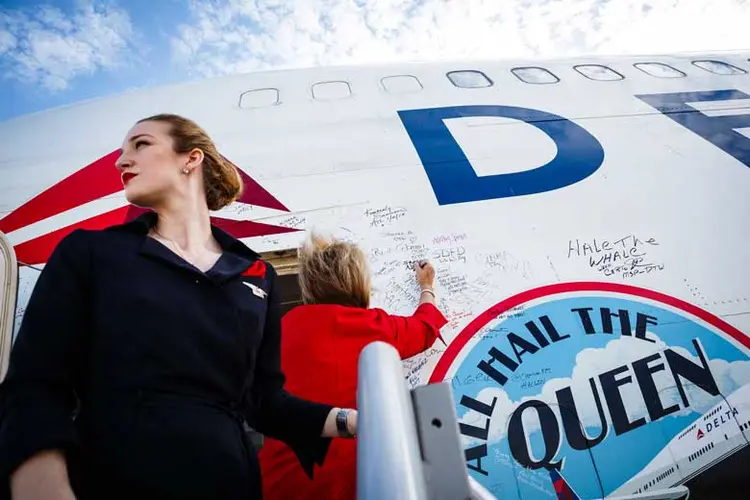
(257, 269)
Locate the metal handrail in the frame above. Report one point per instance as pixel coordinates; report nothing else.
(400, 447)
(389, 464)
(8, 297)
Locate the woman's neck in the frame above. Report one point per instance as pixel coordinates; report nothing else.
(188, 225)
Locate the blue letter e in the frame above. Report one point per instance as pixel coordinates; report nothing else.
(721, 131)
(454, 180)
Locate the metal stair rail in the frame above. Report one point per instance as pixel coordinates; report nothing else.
(8, 294)
(408, 442)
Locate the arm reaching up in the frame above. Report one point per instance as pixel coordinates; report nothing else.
(416, 333)
(426, 279)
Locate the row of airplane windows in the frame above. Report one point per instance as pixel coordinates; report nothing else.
(699, 453)
(661, 477)
(687, 431)
(472, 79)
(712, 413)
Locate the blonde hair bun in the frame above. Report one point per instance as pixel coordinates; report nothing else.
(221, 180)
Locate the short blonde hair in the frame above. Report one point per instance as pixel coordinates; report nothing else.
(333, 272)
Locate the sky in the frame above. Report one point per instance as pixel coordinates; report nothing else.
(57, 52)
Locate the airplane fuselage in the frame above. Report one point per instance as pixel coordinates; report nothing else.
(587, 220)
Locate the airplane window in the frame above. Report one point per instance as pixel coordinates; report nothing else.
(469, 79)
(8, 291)
(534, 75)
(401, 84)
(719, 67)
(259, 98)
(659, 70)
(598, 72)
(330, 91)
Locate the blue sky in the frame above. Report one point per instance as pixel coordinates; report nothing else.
(57, 52)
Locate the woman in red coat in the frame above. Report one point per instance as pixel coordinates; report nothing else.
(320, 346)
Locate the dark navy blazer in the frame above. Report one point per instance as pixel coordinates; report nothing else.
(142, 368)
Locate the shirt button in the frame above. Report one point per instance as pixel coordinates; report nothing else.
(197, 282)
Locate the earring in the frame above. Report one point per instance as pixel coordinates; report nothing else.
(185, 171)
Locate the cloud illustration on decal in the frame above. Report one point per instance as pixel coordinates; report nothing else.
(503, 407)
(729, 377)
(620, 355)
(591, 363)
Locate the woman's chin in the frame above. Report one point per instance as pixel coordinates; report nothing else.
(137, 199)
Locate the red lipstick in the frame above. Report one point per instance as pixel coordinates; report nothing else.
(126, 177)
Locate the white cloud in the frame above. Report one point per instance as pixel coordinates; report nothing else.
(502, 411)
(592, 362)
(729, 377)
(229, 36)
(48, 47)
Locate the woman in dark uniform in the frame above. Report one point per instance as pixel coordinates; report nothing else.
(145, 346)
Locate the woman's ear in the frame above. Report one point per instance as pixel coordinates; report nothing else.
(195, 158)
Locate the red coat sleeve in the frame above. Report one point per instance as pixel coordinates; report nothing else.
(414, 334)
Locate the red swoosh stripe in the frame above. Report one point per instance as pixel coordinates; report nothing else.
(92, 182)
(255, 194)
(38, 250)
(99, 179)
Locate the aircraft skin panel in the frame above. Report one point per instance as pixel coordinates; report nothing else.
(589, 238)
(316, 126)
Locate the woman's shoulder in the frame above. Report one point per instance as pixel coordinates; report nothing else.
(330, 312)
(349, 311)
(85, 243)
(332, 320)
(368, 318)
(377, 312)
(424, 312)
(87, 239)
(307, 310)
(77, 240)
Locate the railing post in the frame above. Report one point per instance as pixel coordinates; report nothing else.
(8, 297)
(389, 462)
